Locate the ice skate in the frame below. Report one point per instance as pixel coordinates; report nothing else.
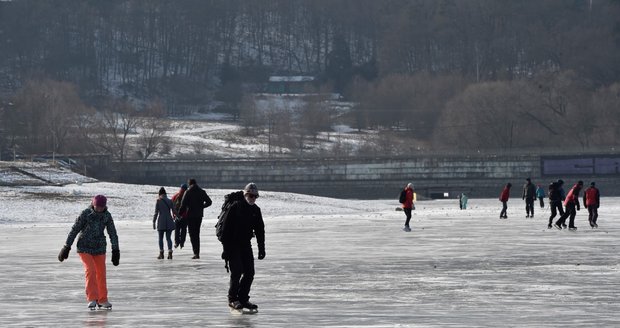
(92, 305)
(249, 307)
(406, 228)
(105, 305)
(572, 228)
(557, 226)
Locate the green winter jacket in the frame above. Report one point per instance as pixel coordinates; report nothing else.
(90, 225)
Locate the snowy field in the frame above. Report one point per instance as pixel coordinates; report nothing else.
(330, 263)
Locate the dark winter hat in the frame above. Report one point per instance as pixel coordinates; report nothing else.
(528, 180)
(184, 186)
(162, 191)
(509, 185)
(580, 183)
(191, 182)
(592, 183)
(251, 188)
(99, 201)
(560, 181)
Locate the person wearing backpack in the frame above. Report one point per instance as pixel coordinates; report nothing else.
(194, 201)
(163, 222)
(592, 200)
(243, 221)
(180, 223)
(555, 200)
(407, 204)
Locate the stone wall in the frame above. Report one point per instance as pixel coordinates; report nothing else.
(477, 176)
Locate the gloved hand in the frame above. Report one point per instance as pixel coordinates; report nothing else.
(261, 254)
(224, 255)
(154, 227)
(116, 256)
(578, 207)
(64, 253)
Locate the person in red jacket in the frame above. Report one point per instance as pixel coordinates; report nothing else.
(503, 197)
(591, 200)
(408, 205)
(570, 203)
(180, 224)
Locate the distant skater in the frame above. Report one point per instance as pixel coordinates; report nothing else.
(91, 247)
(529, 195)
(180, 220)
(571, 203)
(195, 200)
(163, 222)
(503, 197)
(408, 205)
(592, 200)
(463, 201)
(540, 194)
(555, 200)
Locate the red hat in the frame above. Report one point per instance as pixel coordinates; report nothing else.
(100, 201)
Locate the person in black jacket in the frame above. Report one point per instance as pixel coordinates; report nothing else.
(529, 195)
(195, 200)
(555, 200)
(244, 221)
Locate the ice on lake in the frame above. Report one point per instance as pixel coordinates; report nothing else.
(330, 263)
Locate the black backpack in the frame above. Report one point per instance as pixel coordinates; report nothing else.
(403, 196)
(229, 200)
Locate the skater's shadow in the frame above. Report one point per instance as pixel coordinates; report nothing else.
(96, 319)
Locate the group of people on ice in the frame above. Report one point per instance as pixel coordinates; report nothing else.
(182, 213)
(557, 198)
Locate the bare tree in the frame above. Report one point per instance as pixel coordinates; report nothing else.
(118, 120)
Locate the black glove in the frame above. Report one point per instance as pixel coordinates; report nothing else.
(116, 256)
(154, 227)
(261, 254)
(578, 208)
(64, 253)
(224, 256)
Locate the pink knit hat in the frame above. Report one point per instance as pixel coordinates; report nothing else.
(100, 201)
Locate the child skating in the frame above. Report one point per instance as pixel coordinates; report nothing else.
(91, 247)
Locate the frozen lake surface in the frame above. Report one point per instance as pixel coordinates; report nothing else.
(330, 263)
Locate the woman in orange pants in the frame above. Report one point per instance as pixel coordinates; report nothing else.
(91, 247)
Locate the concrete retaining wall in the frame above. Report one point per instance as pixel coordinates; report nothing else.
(477, 176)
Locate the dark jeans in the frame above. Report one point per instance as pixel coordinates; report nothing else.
(570, 212)
(542, 202)
(161, 239)
(529, 206)
(241, 263)
(193, 226)
(592, 213)
(408, 215)
(556, 206)
(504, 209)
(180, 232)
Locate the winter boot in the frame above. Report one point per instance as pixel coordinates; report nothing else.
(161, 255)
(170, 255)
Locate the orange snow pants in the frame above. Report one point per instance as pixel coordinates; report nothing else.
(94, 273)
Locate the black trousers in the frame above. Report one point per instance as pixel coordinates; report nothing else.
(180, 232)
(193, 226)
(570, 212)
(542, 202)
(556, 206)
(504, 209)
(529, 206)
(407, 215)
(592, 213)
(241, 263)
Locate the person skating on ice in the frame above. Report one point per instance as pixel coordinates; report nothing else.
(571, 204)
(180, 220)
(540, 194)
(592, 200)
(555, 200)
(408, 205)
(195, 200)
(244, 221)
(91, 247)
(529, 195)
(503, 197)
(163, 222)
